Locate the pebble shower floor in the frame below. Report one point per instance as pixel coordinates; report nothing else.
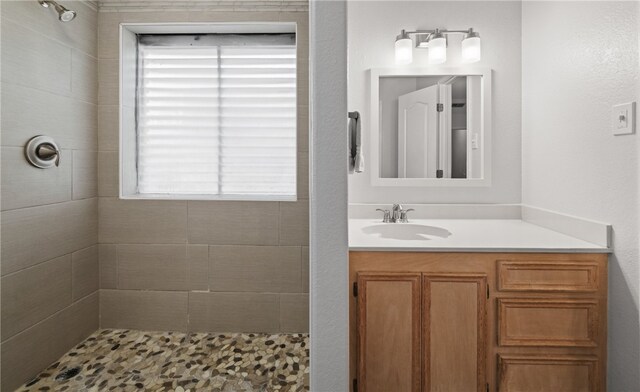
(126, 360)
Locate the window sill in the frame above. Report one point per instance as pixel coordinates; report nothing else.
(179, 197)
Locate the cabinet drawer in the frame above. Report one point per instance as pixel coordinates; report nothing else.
(564, 373)
(573, 276)
(548, 322)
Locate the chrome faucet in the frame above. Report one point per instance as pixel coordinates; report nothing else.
(395, 212)
(396, 215)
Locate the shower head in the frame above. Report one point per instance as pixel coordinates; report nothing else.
(64, 15)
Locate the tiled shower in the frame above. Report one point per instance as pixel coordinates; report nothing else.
(78, 261)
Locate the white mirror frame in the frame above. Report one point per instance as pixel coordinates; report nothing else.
(485, 139)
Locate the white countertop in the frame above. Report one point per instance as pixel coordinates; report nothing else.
(464, 235)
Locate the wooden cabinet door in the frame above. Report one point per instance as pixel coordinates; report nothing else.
(388, 324)
(454, 332)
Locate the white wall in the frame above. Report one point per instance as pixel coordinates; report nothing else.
(372, 28)
(578, 59)
(329, 286)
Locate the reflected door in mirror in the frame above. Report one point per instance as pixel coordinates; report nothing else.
(431, 126)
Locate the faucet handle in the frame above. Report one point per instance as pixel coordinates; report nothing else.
(387, 215)
(403, 215)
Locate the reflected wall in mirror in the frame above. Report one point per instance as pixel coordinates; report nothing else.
(430, 126)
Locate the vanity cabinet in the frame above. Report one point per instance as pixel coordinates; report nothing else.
(478, 321)
(389, 325)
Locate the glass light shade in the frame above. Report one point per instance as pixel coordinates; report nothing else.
(437, 50)
(471, 50)
(404, 51)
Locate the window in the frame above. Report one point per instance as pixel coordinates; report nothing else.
(215, 116)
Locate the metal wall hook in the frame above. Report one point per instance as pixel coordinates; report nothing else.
(42, 152)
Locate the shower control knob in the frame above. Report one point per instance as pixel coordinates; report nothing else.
(42, 152)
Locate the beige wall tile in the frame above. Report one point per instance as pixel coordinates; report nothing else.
(24, 185)
(276, 269)
(152, 267)
(305, 269)
(49, 87)
(84, 77)
(23, 53)
(80, 34)
(107, 256)
(233, 223)
(142, 221)
(230, 16)
(108, 82)
(28, 353)
(108, 127)
(301, 18)
(294, 223)
(302, 84)
(35, 293)
(36, 234)
(294, 313)
(144, 310)
(108, 35)
(82, 319)
(214, 223)
(128, 171)
(108, 182)
(237, 312)
(303, 175)
(84, 272)
(27, 112)
(108, 27)
(303, 128)
(198, 260)
(85, 174)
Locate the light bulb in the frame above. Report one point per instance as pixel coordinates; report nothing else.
(404, 49)
(437, 49)
(471, 49)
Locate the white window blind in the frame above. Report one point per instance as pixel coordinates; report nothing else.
(217, 116)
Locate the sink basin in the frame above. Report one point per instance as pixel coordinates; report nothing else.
(406, 231)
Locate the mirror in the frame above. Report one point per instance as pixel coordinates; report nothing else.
(430, 128)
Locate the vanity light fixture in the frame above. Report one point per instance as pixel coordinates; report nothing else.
(404, 49)
(437, 48)
(471, 50)
(436, 42)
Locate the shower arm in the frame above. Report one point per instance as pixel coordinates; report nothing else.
(64, 14)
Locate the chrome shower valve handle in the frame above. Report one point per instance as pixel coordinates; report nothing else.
(42, 152)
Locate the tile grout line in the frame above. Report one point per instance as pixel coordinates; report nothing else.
(45, 261)
(65, 44)
(71, 304)
(57, 94)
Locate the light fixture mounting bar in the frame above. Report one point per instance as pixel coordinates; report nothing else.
(436, 41)
(443, 31)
